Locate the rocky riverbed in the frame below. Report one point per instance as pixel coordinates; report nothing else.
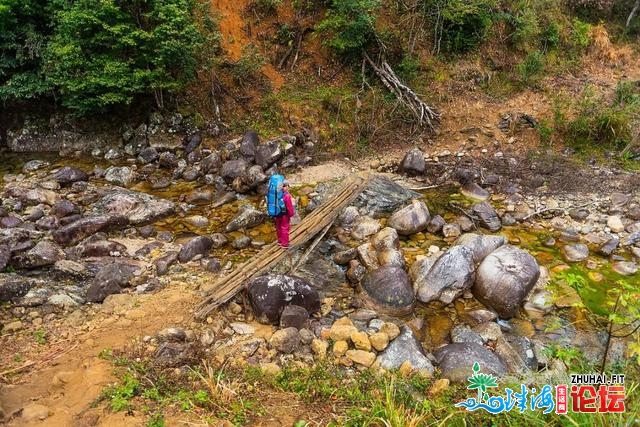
(438, 264)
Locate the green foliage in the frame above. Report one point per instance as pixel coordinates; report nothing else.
(350, 25)
(459, 25)
(531, 67)
(40, 336)
(104, 54)
(119, 396)
(246, 68)
(598, 122)
(24, 31)
(93, 55)
(580, 34)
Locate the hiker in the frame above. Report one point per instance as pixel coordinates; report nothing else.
(282, 221)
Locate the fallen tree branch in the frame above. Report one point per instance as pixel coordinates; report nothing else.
(424, 114)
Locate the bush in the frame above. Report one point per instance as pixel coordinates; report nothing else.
(459, 25)
(351, 26)
(531, 67)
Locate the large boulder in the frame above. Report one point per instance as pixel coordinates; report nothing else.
(123, 176)
(411, 219)
(504, 279)
(324, 275)
(13, 286)
(68, 175)
(451, 274)
(388, 290)
(80, 229)
(382, 196)
(271, 293)
(413, 162)
(268, 153)
(405, 348)
(488, 216)
(44, 253)
(233, 169)
(248, 145)
(248, 217)
(481, 244)
(138, 208)
(456, 361)
(109, 280)
(200, 245)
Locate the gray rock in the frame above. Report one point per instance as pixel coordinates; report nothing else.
(34, 165)
(232, 169)
(456, 361)
(285, 340)
(247, 218)
(405, 348)
(268, 154)
(109, 280)
(436, 224)
(382, 196)
(192, 142)
(462, 333)
(248, 144)
(163, 263)
(504, 279)
(348, 216)
(5, 255)
(167, 160)
(200, 245)
(625, 268)
(176, 354)
(211, 163)
(488, 216)
(294, 316)
(517, 353)
(413, 162)
(410, 219)
(138, 208)
(13, 286)
(44, 253)
(343, 257)
(364, 227)
(324, 275)
(271, 293)
(101, 248)
(172, 334)
(218, 240)
(474, 191)
(87, 226)
(148, 155)
(391, 258)
(254, 176)
(120, 175)
(481, 245)
(451, 274)
(609, 246)
(64, 208)
(68, 175)
(241, 242)
(575, 252)
(388, 290)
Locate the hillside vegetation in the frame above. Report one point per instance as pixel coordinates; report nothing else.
(279, 66)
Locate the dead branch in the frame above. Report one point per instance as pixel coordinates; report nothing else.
(636, 6)
(424, 114)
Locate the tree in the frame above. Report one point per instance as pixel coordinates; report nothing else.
(636, 6)
(24, 32)
(107, 52)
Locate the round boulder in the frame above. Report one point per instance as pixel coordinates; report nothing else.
(456, 361)
(388, 290)
(504, 279)
(411, 219)
(270, 294)
(451, 274)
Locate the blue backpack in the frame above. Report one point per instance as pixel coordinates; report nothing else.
(275, 202)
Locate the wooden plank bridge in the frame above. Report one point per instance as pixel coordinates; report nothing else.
(318, 220)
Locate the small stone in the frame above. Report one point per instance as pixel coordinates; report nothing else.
(340, 348)
(391, 329)
(319, 348)
(615, 224)
(379, 340)
(12, 326)
(361, 357)
(361, 341)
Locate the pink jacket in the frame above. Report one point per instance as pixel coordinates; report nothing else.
(288, 203)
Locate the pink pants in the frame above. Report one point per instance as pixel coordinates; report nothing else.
(282, 229)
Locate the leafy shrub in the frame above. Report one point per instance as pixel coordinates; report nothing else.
(580, 34)
(459, 25)
(531, 67)
(351, 26)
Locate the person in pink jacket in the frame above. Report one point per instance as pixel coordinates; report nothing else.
(283, 221)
